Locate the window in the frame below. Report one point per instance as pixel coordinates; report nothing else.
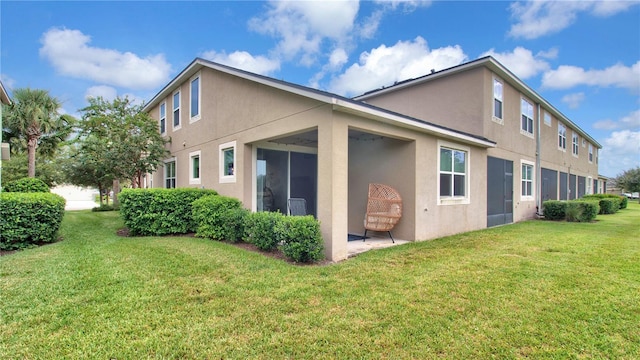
(597, 155)
(527, 180)
(497, 99)
(575, 144)
(453, 170)
(527, 117)
(194, 167)
(590, 153)
(170, 174)
(176, 110)
(228, 162)
(562, 137)
(547, 118)
(589, 190)
(163, 118)
(194, 105)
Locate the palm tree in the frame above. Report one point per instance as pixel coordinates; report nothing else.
(34, 115)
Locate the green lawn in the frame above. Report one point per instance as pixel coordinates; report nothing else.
(536, 289)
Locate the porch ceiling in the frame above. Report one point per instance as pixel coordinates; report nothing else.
(310, 138)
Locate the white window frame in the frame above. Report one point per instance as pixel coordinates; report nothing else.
(498, 119)
(221, 170)
(163, 105)
(174, 109)
(192, 156)
(196, 117)
(575, 146)
(526, 131)
(455, 200)
(547, 118)
(175, 175)
(589, 186)
(562, 137)
(590, 154)
(527, 197)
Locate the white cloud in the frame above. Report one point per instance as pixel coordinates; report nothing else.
(573, 100)
(618, 75)
(386, 65)
(631, 122)
(408, 5)
(522, 62)
(338, 58)
(534, 19)
(7, 81)
(245, 61)
(108, 93)
(621, 151)
(70, 54)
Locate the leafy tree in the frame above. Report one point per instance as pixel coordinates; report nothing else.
(33, 121)
(49, 170)
(125, 139)
(629, 180)
(87, 166)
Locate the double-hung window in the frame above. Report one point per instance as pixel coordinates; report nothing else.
(163, 118)
(194, 95)
(547, 118)
(170, 174)
(453, 171)
(527, 181)
(590, 153)
(497, 100)
(527, 117)
(575, 144)
(176, 110)
(562, 137)
(194, 167)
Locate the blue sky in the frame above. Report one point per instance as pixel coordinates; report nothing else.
(582, 56)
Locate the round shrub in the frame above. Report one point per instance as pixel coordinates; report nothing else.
(26, 185)
(554, 209)
(219, 218)
(301, 238)
(581, 210)
(29, 218)
(260, 229)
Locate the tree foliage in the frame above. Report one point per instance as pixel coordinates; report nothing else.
(117, 141)
(48, 169)
(33, 122)
(629, 181)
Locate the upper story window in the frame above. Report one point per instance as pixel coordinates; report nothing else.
(562, 137)
(590, 153)
(547, 118)
(194, 104)
(527, 117)
(170, 174)
(163, 118)
(176, 110)
(453, 180)
(527, 180)
(194, 167)
(575, 144)
(497, 99)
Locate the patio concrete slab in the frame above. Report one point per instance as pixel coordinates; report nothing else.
(356, 247)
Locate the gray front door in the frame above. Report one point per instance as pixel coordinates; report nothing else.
(499, 191)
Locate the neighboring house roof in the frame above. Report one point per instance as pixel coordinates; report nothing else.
(4, 96)
(338, 102)
(495, 66)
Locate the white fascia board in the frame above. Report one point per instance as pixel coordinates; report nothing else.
(353, 108)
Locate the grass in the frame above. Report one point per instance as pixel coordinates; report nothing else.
(535, 289)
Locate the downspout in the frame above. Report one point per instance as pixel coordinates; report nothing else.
(538, 166)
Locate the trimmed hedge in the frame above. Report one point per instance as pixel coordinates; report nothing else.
(581, 210)
(260, 229)
(26, 185)
(160, 211)
(219, 218)
(29, 218)
(608, 207)
(554, 209)
(301, 238)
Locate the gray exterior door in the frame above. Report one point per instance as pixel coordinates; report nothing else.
(564, 194)
(573, 191)
(582, 181)
(499, 191)
(549, 184)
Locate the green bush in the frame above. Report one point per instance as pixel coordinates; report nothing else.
(26, 185)
(219, 218)
(301, 238)
(609, 205)
(104, 207)
(260, 229)
(160, 211)
(29, 218)
(581, 210)
(623, 201)
(554, 209)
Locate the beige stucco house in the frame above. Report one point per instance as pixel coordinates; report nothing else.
(264, 141)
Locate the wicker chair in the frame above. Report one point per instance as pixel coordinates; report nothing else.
(384, 209)
(297, 206)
